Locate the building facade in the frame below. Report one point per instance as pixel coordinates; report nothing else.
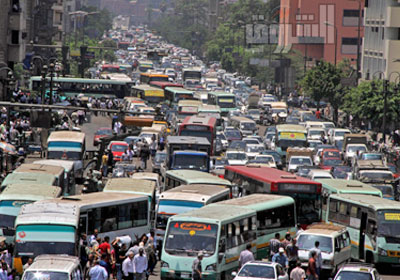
(381, 44)
(321, 29)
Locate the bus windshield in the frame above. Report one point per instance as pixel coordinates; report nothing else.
(64, 155)
(189, 238)
(197, 133)
(285, 143)
(198, 162)
(389, 223)
(226, 102)
(168, 208)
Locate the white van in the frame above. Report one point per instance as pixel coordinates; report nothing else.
(61, 267)
(335, 245)
(246, 126)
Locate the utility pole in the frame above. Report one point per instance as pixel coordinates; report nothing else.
(385, 93)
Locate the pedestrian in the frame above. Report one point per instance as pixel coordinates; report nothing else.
(144, 155)
(318, 257)
(104, 163)
(28, 264)
(140, 265)
(89, 264)
(12, 275)
(246, 256)
(119, 255)
(128, 267)
(110, 161)
(312, 269)
(153, 146)
(297, 273)
(287, 240)
(105, 263)
(150, 248)
(274, 245)
(162, 143)
(4, 271)
(94, 236)
(318, 114)
(98, 272)
(299, 230)
(281, 258)
(292, 252)
(196, 267)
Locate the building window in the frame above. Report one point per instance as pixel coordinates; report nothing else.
(349, 45)
(14, 37)
(350, 17)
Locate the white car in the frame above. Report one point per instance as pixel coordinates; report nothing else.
(315, 133)
(263, 160)
(337, 134)
(236, 157)
(296, 161)
(361, 271)
(261, 270)
(253, 150)
(253, 141)
(319, 174)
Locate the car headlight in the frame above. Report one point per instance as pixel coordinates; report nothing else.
(382, 252)
(164, 264)
(211, 267)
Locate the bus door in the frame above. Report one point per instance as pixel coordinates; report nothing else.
(83, 223)
(363, 229)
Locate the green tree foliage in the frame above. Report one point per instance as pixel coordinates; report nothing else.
(97, 23)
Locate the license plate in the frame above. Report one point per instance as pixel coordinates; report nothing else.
(185, 275)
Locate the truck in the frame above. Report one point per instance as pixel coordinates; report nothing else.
(352, 145)
(254, 99)
(296, 157)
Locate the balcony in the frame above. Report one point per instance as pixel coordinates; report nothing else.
(393, 19)
(16, 21)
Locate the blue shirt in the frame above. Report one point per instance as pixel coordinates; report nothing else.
(97, 273)
(281, 259)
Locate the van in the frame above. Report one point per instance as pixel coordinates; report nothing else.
(246, 126)
(60, 267)
(334, 243)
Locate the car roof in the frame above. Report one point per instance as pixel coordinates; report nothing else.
(358, 267)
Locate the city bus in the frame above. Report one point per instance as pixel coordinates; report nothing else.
(260, 179)
(225, 100)
(183, 199)
(68, 145)
(175, 94)
(373, 223)
(145, 65)
(147, 78)
(200, 126)
(275, 214)
(163, 85)
(222, 235)
(70, 87)
(16, 195)
(151, 95)
(45, 228)
(175, 178)
(289, 135)
(133, 186)
(191, 74)
(342, 186)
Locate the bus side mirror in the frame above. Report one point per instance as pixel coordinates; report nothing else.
(221, 257)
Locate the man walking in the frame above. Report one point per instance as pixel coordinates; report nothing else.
(144, 155)
(196, 267)
(281, 258)
(97, 272)
(128, 267)
(292, 253)
(298, 273)
(318, 257)
(246, 256)
(274, 245)
(312, 269)
(140, 265)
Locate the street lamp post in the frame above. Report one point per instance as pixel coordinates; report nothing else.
(335, 29)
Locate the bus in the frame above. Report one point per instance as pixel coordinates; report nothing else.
(342, 186)
(46, 228)
(163, 85)
(147, 78)
(175, 178)
(110, 68)
(289, 135)
(191, 74)
(151, 95)
(68, 145)
(260, 179)
(225, 100)
(222, 235)
(200, 126)
(175, 94)
(183, 199)
(373, 223)
(16, 195)
(70, 87)
(145, 65)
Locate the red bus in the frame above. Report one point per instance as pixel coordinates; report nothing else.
(110, 68)
(163, 85)
(200, 126)
(257, 179)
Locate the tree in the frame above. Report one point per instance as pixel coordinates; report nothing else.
(323, 81)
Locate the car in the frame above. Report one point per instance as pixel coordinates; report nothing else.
(133, 141)
(261, 270)
(102, 132)
(221, 136)
(359, 271)
(236, 157)
(233, 134)
(303, 171)
(277, 157)
(157, 160)
(319, 174)
(263, 160)
(392, 167)
(341, 172)
(297, 161)
(253, 150)
(117, 148)
(237, 145)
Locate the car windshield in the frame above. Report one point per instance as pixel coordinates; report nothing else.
(251, 141)
(316, 132)
(233, 134)
(389, 222)
(387, 190)
(160, 157)
(221, 162)
(307, 242)
(372, 156)
(270, 136)
(341, 133)
(189, 238)
(353, 275)
(276, 156)
(331, 162)
(354, 149)
(254, 112)
(254, 149)
(238, 145)
(248, 126)
(257, 271)
(104, 132)
(264, 160)
(45, 275)
(118, 148)
(300, 161)
(221, 137)
(236, 156)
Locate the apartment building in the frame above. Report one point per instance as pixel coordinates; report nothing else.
(381, 44)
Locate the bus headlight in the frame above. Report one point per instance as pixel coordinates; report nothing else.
(164, 264)
(382, 252)
(211, 267)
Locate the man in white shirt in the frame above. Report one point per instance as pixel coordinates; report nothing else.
(98, 272)
(140, 265)
(246, 256)
(128, 267)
